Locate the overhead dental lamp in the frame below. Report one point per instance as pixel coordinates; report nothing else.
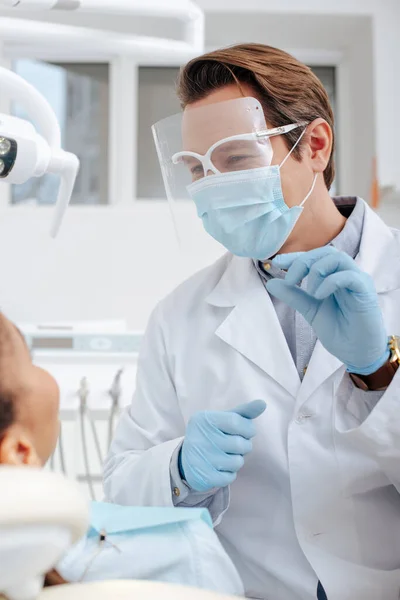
(24, 153)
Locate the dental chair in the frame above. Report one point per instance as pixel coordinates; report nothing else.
(128, 590)
(41, 515)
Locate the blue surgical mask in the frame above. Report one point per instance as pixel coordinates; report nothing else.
(245, 210)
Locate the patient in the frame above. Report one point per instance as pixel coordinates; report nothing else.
(29, 403)
(168, 544)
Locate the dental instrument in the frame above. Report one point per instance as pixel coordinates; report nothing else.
(95, 365)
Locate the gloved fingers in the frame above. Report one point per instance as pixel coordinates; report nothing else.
(232, 424)
(234, 444)
(250, 410)
(294, 297)
(329, 264)
(298, 263)
(221, 479)
(206, 477)
(360, 283)
(229, 463)
(207, 467)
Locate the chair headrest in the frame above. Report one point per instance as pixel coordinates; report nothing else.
(31, 496)
(41, 515)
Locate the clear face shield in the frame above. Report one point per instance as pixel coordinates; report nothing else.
(216, 138)
(210, 140)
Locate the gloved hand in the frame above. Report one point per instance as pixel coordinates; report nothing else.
(340, 304)
(215, 444)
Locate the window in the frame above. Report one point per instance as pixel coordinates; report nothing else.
(327, 75)
(78, 93)
(157, 99)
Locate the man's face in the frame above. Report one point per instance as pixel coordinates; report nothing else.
(201, 132)
(32, 438)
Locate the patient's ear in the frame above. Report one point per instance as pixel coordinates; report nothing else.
(17, 449)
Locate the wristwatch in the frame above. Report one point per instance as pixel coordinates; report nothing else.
(382, 377)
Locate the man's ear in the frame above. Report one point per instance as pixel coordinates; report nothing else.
(17, 449)
(320, 140)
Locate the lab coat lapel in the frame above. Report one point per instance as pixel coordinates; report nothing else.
(252, 327)
(379, 256)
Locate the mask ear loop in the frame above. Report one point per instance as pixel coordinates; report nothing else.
(316, 174)
(311, 190)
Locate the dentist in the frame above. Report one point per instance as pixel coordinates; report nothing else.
(302, 313)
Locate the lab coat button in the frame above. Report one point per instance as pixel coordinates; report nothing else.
(177, 492)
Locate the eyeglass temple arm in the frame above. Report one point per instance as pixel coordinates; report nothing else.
(280, 130)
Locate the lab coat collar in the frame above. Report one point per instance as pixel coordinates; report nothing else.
(252, 327)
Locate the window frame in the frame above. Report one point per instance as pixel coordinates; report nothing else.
(123, 108)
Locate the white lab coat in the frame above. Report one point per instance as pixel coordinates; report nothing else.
(319, 495)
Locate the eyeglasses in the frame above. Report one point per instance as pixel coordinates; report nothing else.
(234, 153)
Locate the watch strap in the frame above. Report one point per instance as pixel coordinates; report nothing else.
(378, 380)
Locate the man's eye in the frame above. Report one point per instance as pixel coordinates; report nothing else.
(197, 172)
(238, 157)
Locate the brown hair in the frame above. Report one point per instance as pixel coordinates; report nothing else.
(287, 89)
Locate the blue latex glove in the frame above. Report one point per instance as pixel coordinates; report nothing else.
(215, 444)
(340, 304)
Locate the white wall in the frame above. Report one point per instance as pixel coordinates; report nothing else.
(118, 262)
(385, 16)
(387, 91)
(106, 263)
